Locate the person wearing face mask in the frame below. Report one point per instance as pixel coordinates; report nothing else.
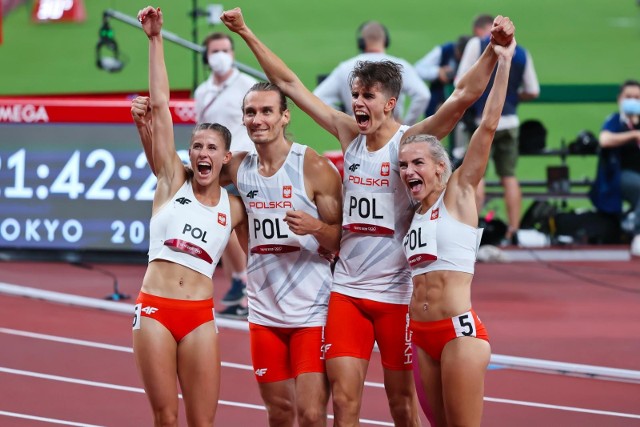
(618, 177)
(219, 100)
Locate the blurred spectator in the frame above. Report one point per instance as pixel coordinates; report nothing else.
(219, 100)
(618, 177)
(523, 85)
(373, 39)
(439, 66)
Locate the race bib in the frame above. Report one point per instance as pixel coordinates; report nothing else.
(465, 325)
(270, 234)
(136, 316)
(369, 213)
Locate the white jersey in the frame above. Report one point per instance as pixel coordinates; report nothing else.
(377, 211)
(288, 281)
(189, 233)
(436, 241)
(223, 104)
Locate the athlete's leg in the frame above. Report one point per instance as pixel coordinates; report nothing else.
(346, 379)
(463, 364)
(155, 352)
(349, 343)
(401, 394)
(391, 325)
(306, 352)
(312, 396)
(432, 383)
(420, 390)
(280, 400)
(271, 365)
(199, 374)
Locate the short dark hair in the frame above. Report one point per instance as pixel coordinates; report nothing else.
(217, 36)
(216, 127)
(628, 83)
(387, 74)
(482, 21)
(268, 87)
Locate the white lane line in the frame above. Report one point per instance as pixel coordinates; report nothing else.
(562, 408)
(512, 362)
(141, 391)
(94, 344)
(46, 420)
(247, 367)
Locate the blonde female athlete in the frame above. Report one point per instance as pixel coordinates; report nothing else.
(441, 246)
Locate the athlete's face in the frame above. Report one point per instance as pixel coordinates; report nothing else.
(262, 116)
(419, 172)
(371, 106)
(207, 154)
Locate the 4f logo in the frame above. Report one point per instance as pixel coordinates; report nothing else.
(222, 219)
(183, 201)
(251, 194)
(260, 372)
(354, 167)
(149, 310)
(324, 348)
(384, 169)
(286, 191)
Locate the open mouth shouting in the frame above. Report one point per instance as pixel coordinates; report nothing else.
(204, 168)
(362, 119)
(415, 185)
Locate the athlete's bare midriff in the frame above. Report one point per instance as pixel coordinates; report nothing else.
(170, 280)
(440, 295)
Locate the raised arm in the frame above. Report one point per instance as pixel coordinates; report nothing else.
(141, 114)
(340, 125)
(469, 88)
(166, 163)
(475, 161)
(323, 180)
(461, 189)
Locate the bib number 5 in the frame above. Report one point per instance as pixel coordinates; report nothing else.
(465, 325)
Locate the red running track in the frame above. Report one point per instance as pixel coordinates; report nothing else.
(576, 312)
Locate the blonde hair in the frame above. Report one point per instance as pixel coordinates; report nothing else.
(436, 151)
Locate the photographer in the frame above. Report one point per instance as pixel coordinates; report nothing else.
(619, 164)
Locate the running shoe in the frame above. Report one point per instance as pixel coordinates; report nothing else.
(236, 293)
(237, 312)
(635, 246)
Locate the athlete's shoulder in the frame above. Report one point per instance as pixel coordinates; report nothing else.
(316, 165)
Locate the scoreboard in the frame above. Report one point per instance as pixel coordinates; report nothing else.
(73, 174)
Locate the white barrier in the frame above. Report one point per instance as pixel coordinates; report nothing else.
(512, 362)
